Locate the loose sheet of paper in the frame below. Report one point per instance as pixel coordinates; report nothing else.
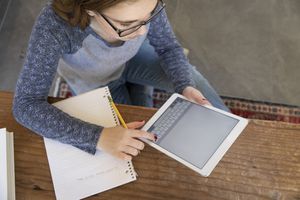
(7, 167)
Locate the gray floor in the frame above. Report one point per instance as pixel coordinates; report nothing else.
(14, 36)
(248, 49)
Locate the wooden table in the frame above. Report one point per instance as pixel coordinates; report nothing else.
(264, 163)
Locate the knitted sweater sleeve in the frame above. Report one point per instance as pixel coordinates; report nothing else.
(30, 107)
(173, 61)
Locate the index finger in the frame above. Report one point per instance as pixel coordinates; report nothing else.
(142, 134)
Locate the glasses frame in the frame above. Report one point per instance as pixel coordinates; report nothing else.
(136, 27)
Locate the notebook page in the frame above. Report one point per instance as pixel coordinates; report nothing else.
(75, 173)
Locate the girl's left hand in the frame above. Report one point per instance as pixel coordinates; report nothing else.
(195, 95)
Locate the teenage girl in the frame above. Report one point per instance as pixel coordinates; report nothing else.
(127, 45)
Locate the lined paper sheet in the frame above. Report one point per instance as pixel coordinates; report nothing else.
(75, 173)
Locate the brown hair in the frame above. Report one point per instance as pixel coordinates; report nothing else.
(74, 11)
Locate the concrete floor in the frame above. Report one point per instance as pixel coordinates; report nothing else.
(247, 49)
(14, 36)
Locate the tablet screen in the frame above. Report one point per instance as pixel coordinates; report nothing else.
(191, 131)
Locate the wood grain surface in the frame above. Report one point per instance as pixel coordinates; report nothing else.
(264, 163)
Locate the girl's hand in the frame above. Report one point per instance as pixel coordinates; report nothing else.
(195, 95)
(123, 143)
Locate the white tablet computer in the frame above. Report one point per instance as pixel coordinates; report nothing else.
(195, 135)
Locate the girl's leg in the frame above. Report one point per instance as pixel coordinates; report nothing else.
(144, 69)
(119, 91)
(207, 90)
(140, 90)
(140, 95)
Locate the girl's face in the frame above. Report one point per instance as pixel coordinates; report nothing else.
(123, 16)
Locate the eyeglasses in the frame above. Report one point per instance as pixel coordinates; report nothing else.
(158, 8)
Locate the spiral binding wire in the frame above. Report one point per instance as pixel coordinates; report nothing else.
(129, 164)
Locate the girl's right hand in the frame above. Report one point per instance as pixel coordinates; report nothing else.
(124, 143)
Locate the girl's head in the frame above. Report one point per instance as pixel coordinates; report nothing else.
(120, 19)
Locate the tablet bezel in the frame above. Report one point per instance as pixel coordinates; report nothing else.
(221, 150)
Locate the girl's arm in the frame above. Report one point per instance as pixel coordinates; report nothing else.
(173, 60)
(30, 107)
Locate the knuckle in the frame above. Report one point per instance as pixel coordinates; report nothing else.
(142, 145)
(123, 156)
(135, 152)
(139, 133)
(147, 135)
(127, 157)
(125, 140)
(139, 145)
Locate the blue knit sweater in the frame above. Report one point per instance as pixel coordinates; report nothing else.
(82, 57)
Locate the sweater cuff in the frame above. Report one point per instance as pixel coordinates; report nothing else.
(92, 144)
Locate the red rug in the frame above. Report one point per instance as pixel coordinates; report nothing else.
(243, 107)
(263, 110)
(250, 109)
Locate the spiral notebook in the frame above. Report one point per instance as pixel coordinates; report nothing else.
(75, 173)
